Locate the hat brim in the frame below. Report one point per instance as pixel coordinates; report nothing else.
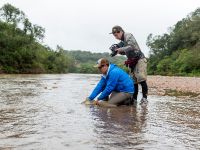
(96, 66)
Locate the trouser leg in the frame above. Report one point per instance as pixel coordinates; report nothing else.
(106, 99)
(117, 98)
(135, 92)
(144, 88)
(113, 94)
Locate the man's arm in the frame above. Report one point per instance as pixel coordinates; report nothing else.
(111, 84)
(98, 89)
(132, 44)
(120, 45)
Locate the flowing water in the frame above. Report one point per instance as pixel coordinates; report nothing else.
(44, 112)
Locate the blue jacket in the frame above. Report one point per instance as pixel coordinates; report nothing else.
(115, 80)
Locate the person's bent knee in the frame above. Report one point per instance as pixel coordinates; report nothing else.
(119, 98)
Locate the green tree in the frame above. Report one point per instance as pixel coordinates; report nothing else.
(11, 14)
(178, 52)
(20, 48)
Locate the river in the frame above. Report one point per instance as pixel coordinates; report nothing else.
(45, 112)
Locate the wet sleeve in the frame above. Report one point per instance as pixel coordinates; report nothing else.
(111, 84)
(132, 44)
(98, 89)
(120, 44)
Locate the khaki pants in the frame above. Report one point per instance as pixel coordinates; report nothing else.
(118, 97)
(140, 71)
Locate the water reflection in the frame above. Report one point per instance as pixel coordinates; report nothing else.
(119, 127)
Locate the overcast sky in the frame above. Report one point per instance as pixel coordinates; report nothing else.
(85, 24)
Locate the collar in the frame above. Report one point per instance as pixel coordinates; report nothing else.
(122, 38)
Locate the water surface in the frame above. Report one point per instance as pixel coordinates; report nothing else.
(44, 112)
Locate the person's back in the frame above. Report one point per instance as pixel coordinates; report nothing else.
(114, 81)
(124, 82)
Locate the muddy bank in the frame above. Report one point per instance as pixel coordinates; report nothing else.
(174, 86)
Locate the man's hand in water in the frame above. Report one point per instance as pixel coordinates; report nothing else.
(86, 101)
(103, 103)
(97, 102)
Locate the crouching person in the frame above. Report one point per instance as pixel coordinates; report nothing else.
(115, 86)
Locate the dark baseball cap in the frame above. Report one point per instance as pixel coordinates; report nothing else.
(116, 29)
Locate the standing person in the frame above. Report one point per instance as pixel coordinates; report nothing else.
(115, 85)
(136, 60)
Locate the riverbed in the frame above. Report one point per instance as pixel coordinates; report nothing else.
(45, 112)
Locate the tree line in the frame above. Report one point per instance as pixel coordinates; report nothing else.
(85, 60)
(22, 50)
(177, 52)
